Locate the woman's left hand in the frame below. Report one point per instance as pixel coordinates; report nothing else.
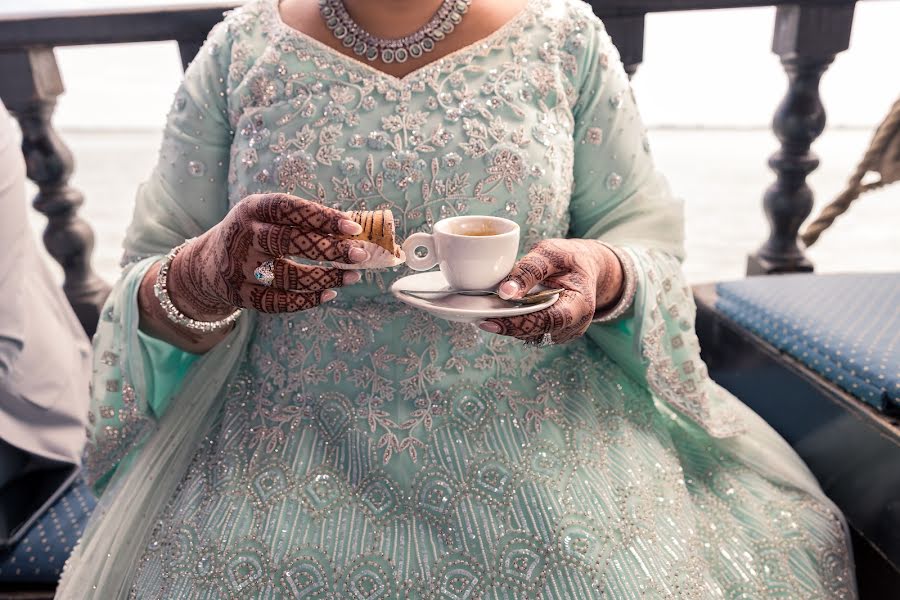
(587, 270)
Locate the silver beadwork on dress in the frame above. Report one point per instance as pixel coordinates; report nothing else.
(414, 45)
(541, 342)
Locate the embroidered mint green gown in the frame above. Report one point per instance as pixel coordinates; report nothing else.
(366, 450)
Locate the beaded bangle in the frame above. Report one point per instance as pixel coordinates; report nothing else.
(161, 291)
(630, 281)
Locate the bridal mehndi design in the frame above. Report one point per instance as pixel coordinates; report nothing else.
(215, 273)
(586, 269)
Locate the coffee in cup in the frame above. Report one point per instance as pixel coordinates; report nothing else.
(480, 229)
(473, 252)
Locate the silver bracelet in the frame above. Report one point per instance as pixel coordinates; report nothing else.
(629, 273)
(161, 291)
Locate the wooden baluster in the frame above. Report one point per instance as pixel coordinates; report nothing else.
(627, 34)
(807, 38)
(188, 49)
(31, 87)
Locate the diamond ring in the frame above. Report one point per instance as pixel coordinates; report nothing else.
(265, 273)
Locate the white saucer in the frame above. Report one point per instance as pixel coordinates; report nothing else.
(461, 309)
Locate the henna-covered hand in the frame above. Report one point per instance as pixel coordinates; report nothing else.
(214, 274)
(588, 271)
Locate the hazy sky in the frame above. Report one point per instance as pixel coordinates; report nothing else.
(28, 8)
(711, 68)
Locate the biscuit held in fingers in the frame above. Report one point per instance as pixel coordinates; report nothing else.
(378, 237)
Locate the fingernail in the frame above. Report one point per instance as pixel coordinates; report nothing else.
(328, 295)
(358, 255)
(489, 327)
(349, 227)
(508, 289)
(351, 277)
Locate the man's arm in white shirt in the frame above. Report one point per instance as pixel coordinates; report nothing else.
(13, 231)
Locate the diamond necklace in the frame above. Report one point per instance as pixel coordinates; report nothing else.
(371, 47)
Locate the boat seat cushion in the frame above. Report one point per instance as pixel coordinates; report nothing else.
(844, 327)
(41, 553)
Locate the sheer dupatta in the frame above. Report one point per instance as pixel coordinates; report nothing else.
(152, 403)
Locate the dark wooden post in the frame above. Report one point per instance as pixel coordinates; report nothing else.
(188, 49)
(30, 87)
(807, 38)
(627, 34)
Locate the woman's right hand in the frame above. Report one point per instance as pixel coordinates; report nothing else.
(214, 274)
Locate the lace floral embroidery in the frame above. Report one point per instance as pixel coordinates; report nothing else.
(670, 346)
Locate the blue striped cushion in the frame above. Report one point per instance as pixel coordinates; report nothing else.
(844, 327)
(40, 555)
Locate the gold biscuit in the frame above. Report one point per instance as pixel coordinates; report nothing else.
(378, 228)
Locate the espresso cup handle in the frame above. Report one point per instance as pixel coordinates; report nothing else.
(420, 240)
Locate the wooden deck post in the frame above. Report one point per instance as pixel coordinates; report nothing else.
(627, 34)
(30, 87)
(807, 38)
(188, 49)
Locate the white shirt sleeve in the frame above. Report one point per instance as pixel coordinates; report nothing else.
(13, 232)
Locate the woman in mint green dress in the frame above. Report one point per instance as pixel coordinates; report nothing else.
(353, 447)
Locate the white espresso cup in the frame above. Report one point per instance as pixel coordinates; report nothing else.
(473, 252)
